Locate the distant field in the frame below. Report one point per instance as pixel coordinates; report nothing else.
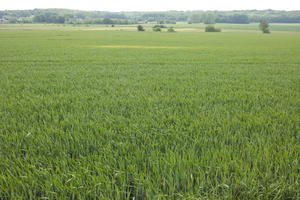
(252, 27)
(181, 27)
(87, 114)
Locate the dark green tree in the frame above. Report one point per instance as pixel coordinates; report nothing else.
(264, 26)
(211, 28)
(140, 28)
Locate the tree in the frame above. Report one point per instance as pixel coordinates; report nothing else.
(140, 28)
(60, 20)
(239, 19)
(209, 18)
(100, 17)
(264, 26)
(195, 17)
(107, 21)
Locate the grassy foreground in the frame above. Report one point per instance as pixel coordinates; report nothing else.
(128, 115)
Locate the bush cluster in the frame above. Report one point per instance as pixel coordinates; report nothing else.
(212, 29)
(156, 29)
(159, 26)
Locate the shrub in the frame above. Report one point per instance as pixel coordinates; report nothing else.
(212, 29)
(140, 28)
(157, 29)
(159, 26)
(171, 29)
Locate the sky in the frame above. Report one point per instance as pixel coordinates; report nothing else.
(152, 5)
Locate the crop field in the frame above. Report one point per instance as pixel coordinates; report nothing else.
(89, 114)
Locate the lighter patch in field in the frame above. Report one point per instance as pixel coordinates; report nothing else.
(139, 47)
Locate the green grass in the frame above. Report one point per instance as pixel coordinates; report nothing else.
(273, 26)
(180, 26)
(238, 27)
(123, 115)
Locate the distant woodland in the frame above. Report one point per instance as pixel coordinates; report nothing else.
(66, 16)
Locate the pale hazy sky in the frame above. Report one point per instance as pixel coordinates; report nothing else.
(152, 5)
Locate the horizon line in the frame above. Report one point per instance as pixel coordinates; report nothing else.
(149, 10)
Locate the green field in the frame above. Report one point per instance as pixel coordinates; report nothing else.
(87, 114)
(180, 27)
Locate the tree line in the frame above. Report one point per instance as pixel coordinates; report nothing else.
(66, 16)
